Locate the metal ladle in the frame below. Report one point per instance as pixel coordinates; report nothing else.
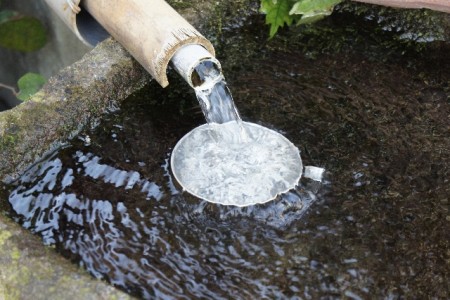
(238, 165)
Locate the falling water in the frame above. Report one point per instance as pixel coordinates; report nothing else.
(241, 163)
(214, 95)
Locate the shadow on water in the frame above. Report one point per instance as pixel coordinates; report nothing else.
(377, 227)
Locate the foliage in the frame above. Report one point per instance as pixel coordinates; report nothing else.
(277, 14)
(285, 12)
(26, 34)
(22, 33)
(29, 84)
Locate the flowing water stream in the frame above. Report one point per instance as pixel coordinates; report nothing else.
(228, 161)
(214, 96)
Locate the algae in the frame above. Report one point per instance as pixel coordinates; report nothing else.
(4, 235)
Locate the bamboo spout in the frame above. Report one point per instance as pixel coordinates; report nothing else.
(151, 30)
(191, 61)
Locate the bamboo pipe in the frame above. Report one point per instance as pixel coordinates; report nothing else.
(86, 28)
(438, 5)
(151, 30)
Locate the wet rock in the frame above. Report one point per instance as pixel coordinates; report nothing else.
(30, 270)
(405, 26)
(78, 96)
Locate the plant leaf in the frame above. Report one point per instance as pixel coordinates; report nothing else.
(311, 8)
(29, 84)
(306, 19)
(277, 14)
(23, 34)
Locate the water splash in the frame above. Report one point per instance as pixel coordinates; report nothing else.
(231, 162)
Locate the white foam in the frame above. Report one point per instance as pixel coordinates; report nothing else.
(220, 164)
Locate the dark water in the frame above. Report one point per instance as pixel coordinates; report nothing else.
(378, 227)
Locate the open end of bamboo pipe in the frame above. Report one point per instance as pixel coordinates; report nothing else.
(194, 63)
(80, 21)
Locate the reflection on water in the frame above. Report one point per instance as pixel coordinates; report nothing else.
(153, 244)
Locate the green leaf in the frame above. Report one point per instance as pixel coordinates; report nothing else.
(311, 8)
(29, 84)
(277, 14)
(305, 19)
(23, 34)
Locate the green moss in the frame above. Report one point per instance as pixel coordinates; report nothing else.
(180, 4)
(23, 34)
(10, 293)
(7, 141)
(15, 254)
(14, 274)
(4, 236)
(39, 96)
